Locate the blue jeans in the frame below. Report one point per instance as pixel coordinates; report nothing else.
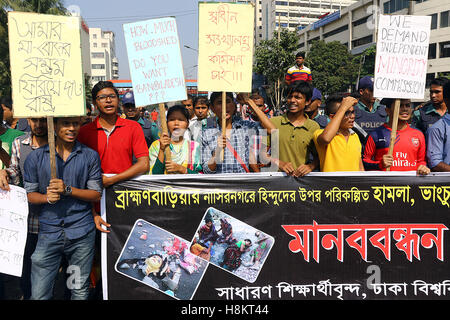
(46, 261)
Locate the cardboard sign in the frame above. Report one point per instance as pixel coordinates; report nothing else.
(46, 68)
(225, 47)
(13, 229)
(155, 61)
(402, 56)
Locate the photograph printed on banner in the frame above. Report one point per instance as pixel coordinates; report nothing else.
(161, 260)
(231, 244)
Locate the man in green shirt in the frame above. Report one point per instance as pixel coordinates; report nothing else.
(296, 131)
(7, 136)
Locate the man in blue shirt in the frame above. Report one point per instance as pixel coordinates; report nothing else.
(438, 139)
(236, 144)
(66, 224)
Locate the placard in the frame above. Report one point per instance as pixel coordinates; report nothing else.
(225, 47)
(154, 56)
(402, 56)
(46, 65)
(13, 229)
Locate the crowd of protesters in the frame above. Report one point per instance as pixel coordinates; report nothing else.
(352, 133)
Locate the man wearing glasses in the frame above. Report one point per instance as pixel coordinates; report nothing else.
(338, 145)
(115, 139)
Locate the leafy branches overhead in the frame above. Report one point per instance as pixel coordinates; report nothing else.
(332, 66)
(273, 58)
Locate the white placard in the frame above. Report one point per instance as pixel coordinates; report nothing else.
(402, 56)
(13, 229)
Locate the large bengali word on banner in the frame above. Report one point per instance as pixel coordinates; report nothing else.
(402, 56)
(155, 61)
(261, 236)
(225, 41)
(46, 67)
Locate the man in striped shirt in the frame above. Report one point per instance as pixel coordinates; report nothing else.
(298, 72)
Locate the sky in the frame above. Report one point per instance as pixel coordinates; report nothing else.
(111, 15)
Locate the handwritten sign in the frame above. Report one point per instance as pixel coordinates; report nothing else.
(154, 56)
(225, 47)
(402, 55)
(13, 229)
(46, 67)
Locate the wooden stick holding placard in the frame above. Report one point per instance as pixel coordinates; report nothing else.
(162, 118)
(52, 147)
(394, 128)
(224, 120)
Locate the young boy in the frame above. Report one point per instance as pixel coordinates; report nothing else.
(295, 142)
(198, 122)
(338, 146)
(409, 149)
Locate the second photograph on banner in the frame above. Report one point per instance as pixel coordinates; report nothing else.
(231, 244)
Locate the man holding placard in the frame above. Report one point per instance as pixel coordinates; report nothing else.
(409, 149)
(66, 224)
(401, 63)
(237, 142)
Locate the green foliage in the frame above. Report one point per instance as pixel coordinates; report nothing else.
(273, 58)
(40, 6)
(332, 66)
(366, 61)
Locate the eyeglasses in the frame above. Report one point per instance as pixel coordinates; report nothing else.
(103, 97)
(349, 113)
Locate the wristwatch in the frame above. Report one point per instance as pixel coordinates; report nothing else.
(67, 191)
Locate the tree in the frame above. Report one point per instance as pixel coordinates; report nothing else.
(273, 58)
(332, 66)
(366, 62)
(40, 6)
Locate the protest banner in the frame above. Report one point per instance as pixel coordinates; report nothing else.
(401, 60)
(156, 66)
(368, 236)
(46, 67)
(13, 229)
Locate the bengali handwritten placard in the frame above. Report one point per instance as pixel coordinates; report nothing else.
(13, 229)
(225, 47)
(46, 65)
(402, 55)
(154, 56)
